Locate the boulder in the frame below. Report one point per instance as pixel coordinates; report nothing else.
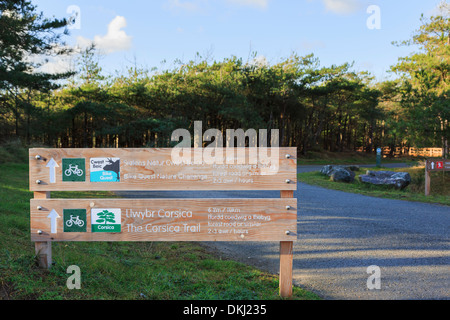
(326, 170)
(399, 180)
(342, 175)
(339, 173)
(352, 167)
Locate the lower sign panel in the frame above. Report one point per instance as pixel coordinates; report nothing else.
(164, 219)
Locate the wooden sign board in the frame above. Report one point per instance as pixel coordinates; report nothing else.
(132, 169)
(434, 165)
(154, 169)
(164, 219)
(438, 165)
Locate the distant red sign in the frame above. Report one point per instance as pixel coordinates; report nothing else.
(438, 165)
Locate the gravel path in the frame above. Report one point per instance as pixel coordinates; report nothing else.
(341, 234)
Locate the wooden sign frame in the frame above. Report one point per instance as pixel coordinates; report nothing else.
(279, 215)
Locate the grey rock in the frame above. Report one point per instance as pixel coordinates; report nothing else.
(339, 173)
(342, 175)
(326, 170)
(399, 180)
(353, 167)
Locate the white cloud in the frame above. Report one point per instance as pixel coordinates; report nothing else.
(342, 6)
(114, 40)
(58, 65)
(54, 63)
(253, 3)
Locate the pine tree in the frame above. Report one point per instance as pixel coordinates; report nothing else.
(26, 38)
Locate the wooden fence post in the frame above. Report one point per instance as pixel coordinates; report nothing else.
(286, 259)
(43, 249)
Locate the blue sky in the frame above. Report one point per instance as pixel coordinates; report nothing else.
(336, 31)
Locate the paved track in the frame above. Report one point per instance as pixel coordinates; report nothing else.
(341, 234)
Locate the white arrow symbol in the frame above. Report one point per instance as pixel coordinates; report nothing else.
(53, 216)
(52, 165)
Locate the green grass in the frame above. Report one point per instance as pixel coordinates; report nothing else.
(440, 182)
(115, 270)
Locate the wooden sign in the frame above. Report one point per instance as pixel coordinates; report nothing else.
(132, 169)
(433, 165)
(155, 169)
(438, 165)
(163, 219)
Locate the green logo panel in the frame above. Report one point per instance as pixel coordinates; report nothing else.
(74, 169)
(105, 220)
(74, 220)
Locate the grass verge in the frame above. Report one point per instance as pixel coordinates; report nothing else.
(116, 270)
(440, 182)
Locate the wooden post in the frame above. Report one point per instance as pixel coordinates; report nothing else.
(286, 259)
(43, 249)
(427, 181)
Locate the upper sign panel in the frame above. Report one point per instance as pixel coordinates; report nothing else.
(163, 169)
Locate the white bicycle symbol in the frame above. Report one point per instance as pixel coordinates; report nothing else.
(73, 169)
(77, 221)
